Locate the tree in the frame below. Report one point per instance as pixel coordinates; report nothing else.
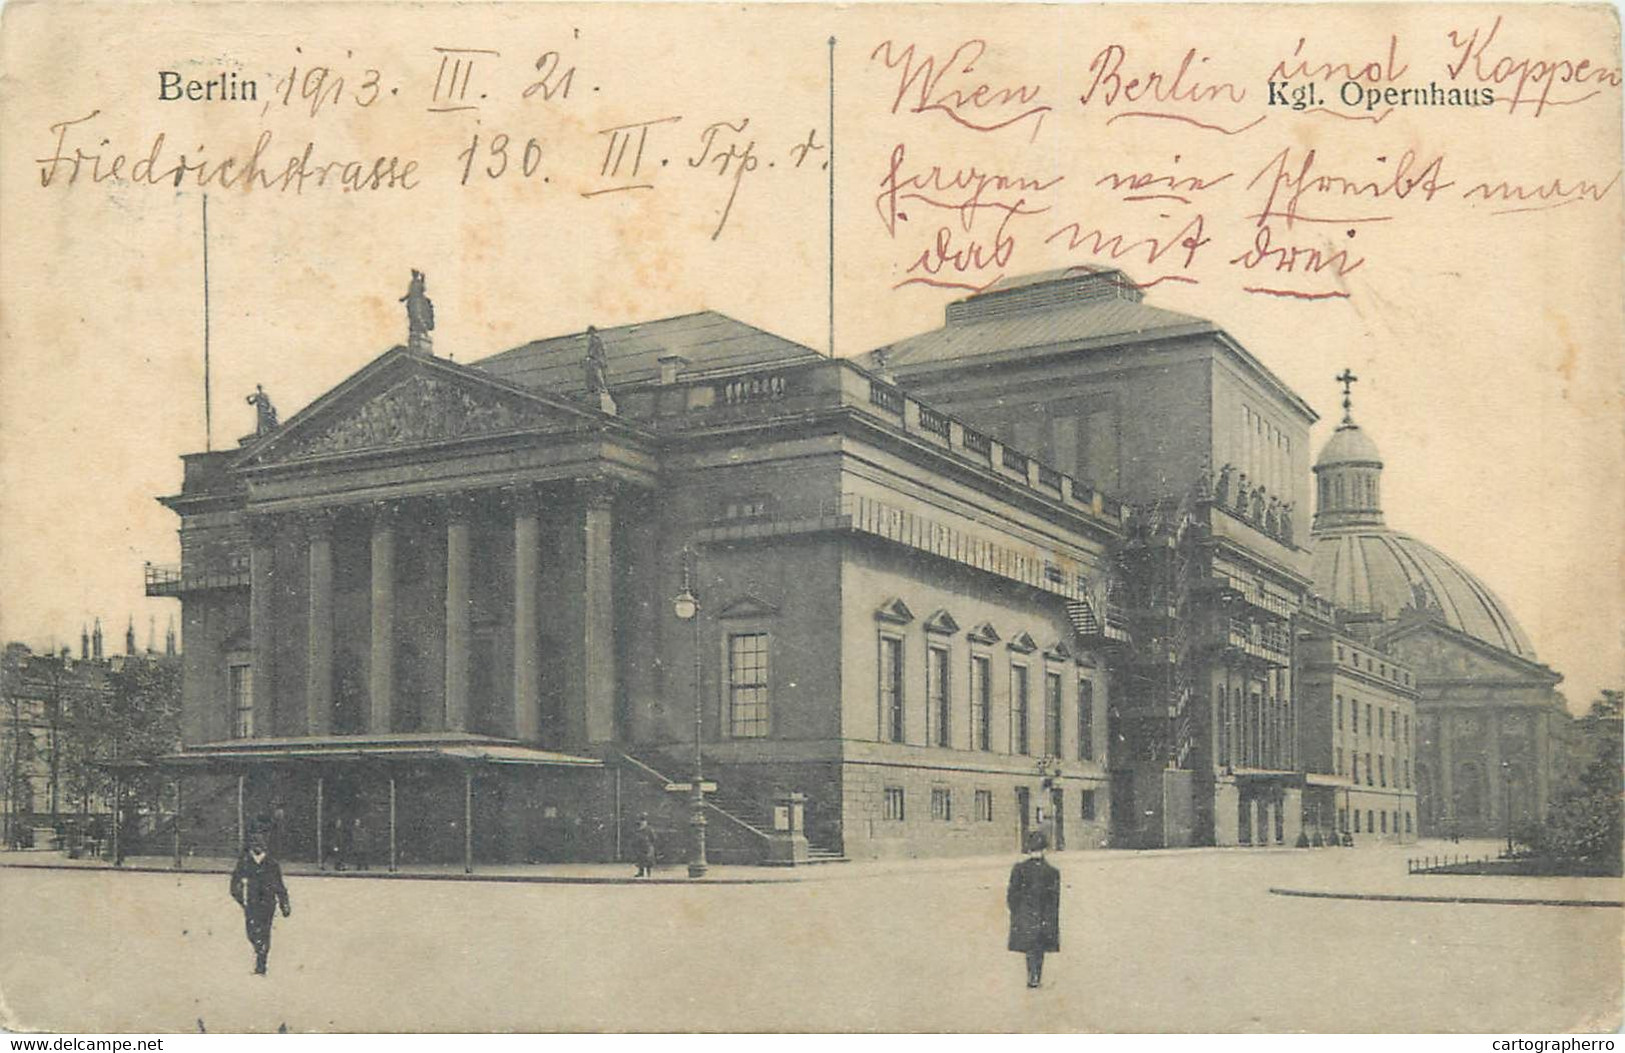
(1584, 824)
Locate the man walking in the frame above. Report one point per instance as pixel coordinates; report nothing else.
(257, 886)
(1034, 899)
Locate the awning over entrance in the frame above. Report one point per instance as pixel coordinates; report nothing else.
(318, 755)
(340, 749)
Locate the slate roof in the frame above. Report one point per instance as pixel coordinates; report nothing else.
(1070, 306)
(710, 341)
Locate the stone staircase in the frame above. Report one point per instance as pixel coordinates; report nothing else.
(759, 815)
(733, 811)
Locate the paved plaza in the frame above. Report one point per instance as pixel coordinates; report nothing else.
(1153, 941)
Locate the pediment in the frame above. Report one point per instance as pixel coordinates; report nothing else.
(1438, 652)
(984, 634)
(1023, 643)
(941, 622)
(404, 400)
(894, 611)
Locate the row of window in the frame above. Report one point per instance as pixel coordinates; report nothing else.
(1374, 819)
(1255, 731)
(1387, 724)
(939, 713)
(1376, 665)
(1399, 767)
(894, 804)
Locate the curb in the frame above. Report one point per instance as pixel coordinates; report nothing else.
(1384, 897)
(510, 879)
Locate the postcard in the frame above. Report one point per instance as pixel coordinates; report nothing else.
(541, 517)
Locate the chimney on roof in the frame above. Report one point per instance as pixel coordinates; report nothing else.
(670, 367)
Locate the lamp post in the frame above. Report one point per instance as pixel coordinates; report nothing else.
(687, 608)
(1506, 786)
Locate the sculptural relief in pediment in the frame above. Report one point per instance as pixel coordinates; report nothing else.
(418, 409)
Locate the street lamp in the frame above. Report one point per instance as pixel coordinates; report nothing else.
(1506, 785)
(687, 608)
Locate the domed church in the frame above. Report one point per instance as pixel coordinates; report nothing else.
(1491, 722)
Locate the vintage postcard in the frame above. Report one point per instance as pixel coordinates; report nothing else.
(530, 517)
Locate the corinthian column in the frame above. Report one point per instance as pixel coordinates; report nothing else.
(262, 582)
(319, 629)
(598, 621)
(459, 609)
(527, 558)
(381, 679)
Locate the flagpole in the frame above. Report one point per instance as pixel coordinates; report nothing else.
(208, 422)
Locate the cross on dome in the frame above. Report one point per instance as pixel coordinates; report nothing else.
(1347, 379)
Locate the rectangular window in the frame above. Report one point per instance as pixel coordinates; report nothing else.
(747, 685)
(942, 803)
(1019, 739)
(1368, 718)
(1368, 769)
(984, 806)
(1354, 766)
(1339, 712)
(1382, 770)
(1086, 720)
(1408, 826)
(936, 694)
(1356, 820)
(1339, 760)
(892, 802)
(1407, 729)
(1052, 714)
(1354, 716)
(1385, 822)
(981, 715)
(1382, 723)
(1088, 797)
(1407, 774)
(891, 688)
(241, 687)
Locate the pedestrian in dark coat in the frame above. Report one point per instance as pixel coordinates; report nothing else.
(257, 886)
(1034, 899)
(643, 847)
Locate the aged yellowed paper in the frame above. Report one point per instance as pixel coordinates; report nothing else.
(1052, 416)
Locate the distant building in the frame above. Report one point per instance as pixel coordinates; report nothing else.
(1359, 739)
(1491, 725)
(54, 732)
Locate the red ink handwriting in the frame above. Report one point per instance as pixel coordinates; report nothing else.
(965, 190)
(1296, 180)
(972, 104)
(1537, 77)
(1376, 71)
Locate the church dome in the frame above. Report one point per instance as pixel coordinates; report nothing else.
(1348, 445)
(1361, 565)
(1382, 571)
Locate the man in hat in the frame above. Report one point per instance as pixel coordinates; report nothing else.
(1034, 899)
(643, 847)
(257, 886)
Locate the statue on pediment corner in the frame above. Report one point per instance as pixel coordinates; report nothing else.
(265, 420)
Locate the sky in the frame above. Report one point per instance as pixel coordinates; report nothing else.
(1485, 329)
